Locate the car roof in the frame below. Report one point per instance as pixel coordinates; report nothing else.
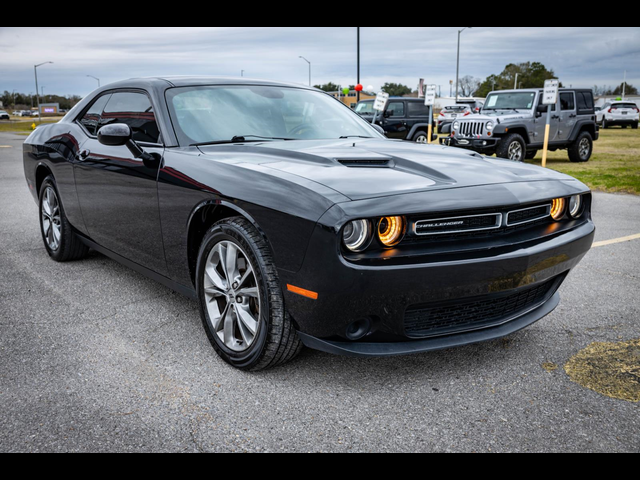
(192, 81)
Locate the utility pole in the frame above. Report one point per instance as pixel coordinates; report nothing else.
(309, 68)
(35, 69)
(358, 63)
(95, 78)
(624, 86)
(458, 68)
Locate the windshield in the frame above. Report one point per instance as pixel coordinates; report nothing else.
(229, 113)
(510, 101)
(364, 108)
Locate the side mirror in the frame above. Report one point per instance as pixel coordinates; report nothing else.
(120, 135)
(387, 114)
(116, 135)
(378, 128)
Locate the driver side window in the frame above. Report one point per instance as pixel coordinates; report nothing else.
(396, 109)
(135, 110)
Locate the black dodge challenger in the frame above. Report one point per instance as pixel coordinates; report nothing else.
(294, 222)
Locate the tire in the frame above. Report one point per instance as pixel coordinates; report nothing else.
(421, 137)
(60, 240)
(531, 154)
(635, 126)
(512, 147)
(249, 328)
(605, 125)
(581, 150)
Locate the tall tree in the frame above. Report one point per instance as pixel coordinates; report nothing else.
(328, 87)
(530, 75)
(620, 89)
(396, 89)
(469, 85)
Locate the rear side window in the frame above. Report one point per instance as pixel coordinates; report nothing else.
(396, 109)
(586, 105)
(567, 101)
(418, 109)
(135, 110)
(91, 119)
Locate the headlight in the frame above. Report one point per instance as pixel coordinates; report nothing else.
(456, 125)
(490, 126)
(575, 206)
(357, 235)
(391, 230)
(558, 208)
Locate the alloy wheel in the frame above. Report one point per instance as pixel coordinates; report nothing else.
(584, 148)
(51, 220)
(232, 296)
(515, 151)
(422, 139)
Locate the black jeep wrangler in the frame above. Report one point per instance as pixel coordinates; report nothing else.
(403, 119)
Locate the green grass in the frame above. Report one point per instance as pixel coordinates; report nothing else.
(614, 167)
(20, 125)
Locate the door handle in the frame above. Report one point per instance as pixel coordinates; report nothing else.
(555, 117)
(83, 155)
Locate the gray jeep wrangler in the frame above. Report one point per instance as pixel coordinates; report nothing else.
(512, 125)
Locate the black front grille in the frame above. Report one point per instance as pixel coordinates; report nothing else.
(474, 314)
(455, 225)
(529, 215)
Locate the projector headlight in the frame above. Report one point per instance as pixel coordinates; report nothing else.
(576, 206)
(357, 235)
(391, 230)
(558, 209)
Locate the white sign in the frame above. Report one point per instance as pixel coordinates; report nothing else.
(381, 102)
(430, 96)
(550, 96)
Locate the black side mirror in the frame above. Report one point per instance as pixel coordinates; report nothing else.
(120, 135)
(388, 114)
(116, 135)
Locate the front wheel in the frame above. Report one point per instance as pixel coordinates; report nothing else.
(241, 301)
(512, 147)
(580, 151)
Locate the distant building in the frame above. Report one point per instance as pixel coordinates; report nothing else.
(351, 100)
(49, 109)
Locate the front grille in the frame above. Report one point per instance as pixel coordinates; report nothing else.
(447, 226)
(472, 129)
(528, 215)
(477, 313)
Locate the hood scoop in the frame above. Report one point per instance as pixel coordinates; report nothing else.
(366, 163)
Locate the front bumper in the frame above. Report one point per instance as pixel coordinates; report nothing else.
(471, 143)
(384, 295)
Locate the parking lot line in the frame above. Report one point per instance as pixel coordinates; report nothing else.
(617, 240)
(6, 146)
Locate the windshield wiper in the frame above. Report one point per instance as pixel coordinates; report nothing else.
(240, 139)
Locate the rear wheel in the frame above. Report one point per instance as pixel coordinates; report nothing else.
(421, 137)
(512, 147)
(635, 126)
(605, 124)
(60, 241)
(241, 301)
(580, 151)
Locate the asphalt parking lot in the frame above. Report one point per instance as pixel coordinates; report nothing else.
(95, 357)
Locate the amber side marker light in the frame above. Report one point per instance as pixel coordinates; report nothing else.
(302, 292)
(558, 209)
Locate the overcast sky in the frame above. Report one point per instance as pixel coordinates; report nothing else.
(580, 56)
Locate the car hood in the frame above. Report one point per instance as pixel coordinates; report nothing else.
(362, 169)
(502, 116)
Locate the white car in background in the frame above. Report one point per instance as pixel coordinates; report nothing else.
(623, 114)
(449, 114)
(4, 115)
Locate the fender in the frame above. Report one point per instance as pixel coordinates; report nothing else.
(419, 126)
(501, 130)
(593, 129)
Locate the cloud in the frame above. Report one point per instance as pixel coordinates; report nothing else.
(581, 56)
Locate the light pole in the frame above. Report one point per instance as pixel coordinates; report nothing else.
(35, 69)
(14, 100)
(242, 73)
(95, 78)
(458, 69)
(309, 68)
(358, 63)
